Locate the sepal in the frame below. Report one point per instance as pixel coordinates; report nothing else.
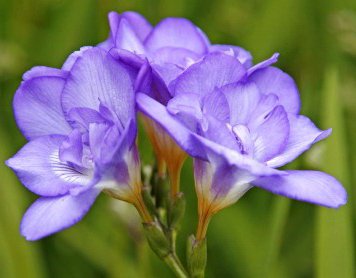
(196, 256)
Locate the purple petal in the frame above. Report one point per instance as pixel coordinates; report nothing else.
(244, 57)
(137, 22)
(39, 168)
(150, 82)
(127, 39)
(272, 135)
(176, 32)
(71, 149)
(309, 186)
(264, 64)
(219, 133)
(186, 107)
(214, 71)
(181, 134)
(81, 118)
(47, 216)
(127, 57)
(68, 64)
(215, 105)
(274, 81)
(243, 99)
(180, 57)
(195, 145)
(38, 109)
(302, 135)
(104, 142)
(41, 71)
(96, 77)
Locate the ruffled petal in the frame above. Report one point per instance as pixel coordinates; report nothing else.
(196, 145)
(244, 57)
(39, 168)
(271, 136)
(264, 64)
(68, 64)
(37, 104)
(214, 71)
(150, 82)
(302, 135)
(47, 216)
(81, 117)
(180, 57)
(42, 71)
(127, 39)
(176, 32)
(215, 105)
(188, 108)
(71, 149)
(137, 22)
(272, 80)
(97, 78)
(309, 186)
(242, 99)
(181, 134)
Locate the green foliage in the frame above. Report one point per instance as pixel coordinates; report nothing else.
(260, 236)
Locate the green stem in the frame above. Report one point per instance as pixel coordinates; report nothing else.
(175, 265)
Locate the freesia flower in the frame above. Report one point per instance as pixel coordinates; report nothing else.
(240, 125)
(161, 54)
(81, 127)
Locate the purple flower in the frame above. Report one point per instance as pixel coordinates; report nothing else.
(161, 54)
(80, 123)
(170, 47)
(240, 125)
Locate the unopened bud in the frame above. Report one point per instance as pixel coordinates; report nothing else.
(157, 239)
(148, 200)
(177, 210)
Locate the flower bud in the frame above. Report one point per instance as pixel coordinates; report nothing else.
(177, 211)
(157, 239)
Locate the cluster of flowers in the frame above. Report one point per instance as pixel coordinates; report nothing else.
(238, 121)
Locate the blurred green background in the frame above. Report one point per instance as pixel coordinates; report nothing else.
(263, 235)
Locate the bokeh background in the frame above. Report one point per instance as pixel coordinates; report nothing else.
(263, 235)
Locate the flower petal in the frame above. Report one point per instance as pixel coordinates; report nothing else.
(272, 80)
(309, 186)
(37, 105)
(243, 99)
(271, 136)
(47, 216)
(127, 39)
(186, 107)
(181, 134)
(176, 32)
(214, 71)
(264, 64)
(244, 57)
(196, 145)
(97, 78)
(138, 23)
(39, 168)
(68, 64)
(41, 71)
(71, 149)
(150, 82)
(302, 135)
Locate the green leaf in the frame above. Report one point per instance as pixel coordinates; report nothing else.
(334, 235)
